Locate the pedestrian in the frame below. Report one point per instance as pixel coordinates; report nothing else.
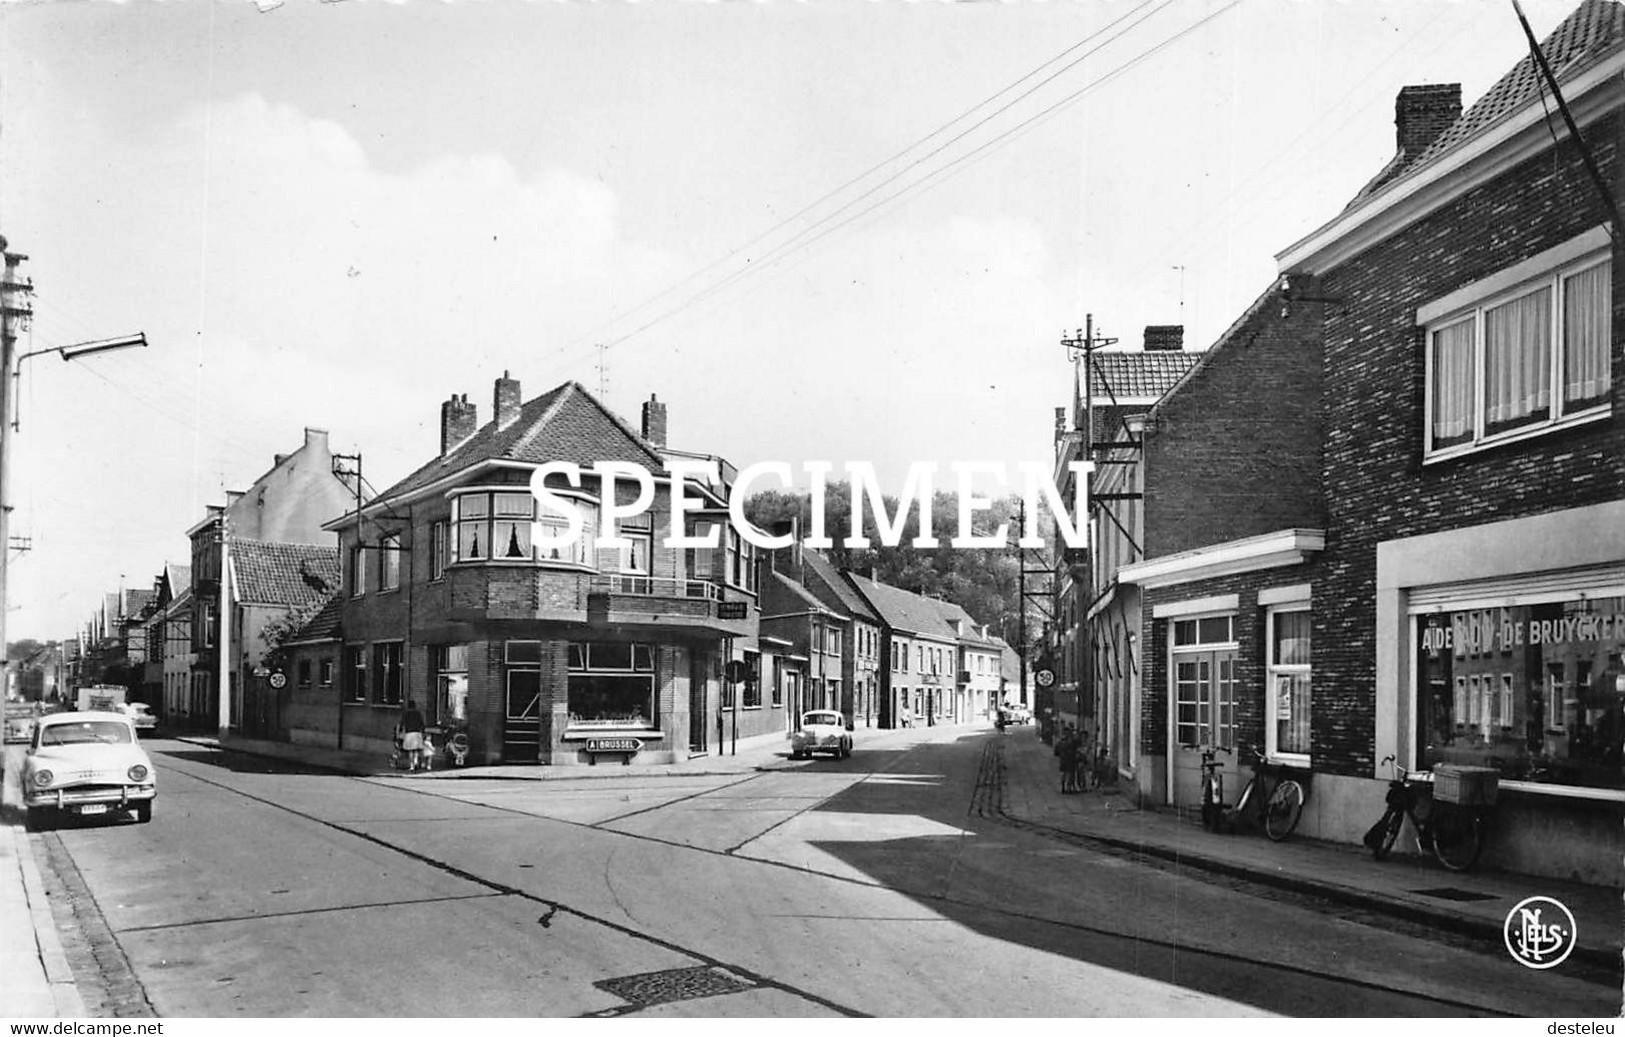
(1067, 750)
(412, 737)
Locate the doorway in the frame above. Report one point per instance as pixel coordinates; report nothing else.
(1202, 689)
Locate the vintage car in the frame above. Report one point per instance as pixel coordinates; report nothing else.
(86, 763)
(821, 731)
(140, 714)
(20, 721)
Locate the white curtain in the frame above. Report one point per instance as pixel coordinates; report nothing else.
(1452, 382)
(1586, 306)
(1517, 358)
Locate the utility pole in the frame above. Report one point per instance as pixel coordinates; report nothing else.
(224, 634)
(14, 310)
(1082, 347)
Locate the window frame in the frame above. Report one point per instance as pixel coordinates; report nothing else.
(353, 690)
(1274, 669)
(1549, 271)
(439, 548)
(389, 562)
(379, 666)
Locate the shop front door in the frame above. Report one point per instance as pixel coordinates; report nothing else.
(1204, 714)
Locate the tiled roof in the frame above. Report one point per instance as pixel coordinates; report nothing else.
(830, 576)
(324, 625)
(1138, 374)
(266, 573)
(903, 610)
(789, 590)
(1591, 33)
(566, 423)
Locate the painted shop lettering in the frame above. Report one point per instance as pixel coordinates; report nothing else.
(1479, 632)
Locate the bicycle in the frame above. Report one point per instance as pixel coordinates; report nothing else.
(1282, 805)
(1213, 817)
(1451, 832)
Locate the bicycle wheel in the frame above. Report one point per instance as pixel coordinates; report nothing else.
(1212, 808)
(1395, 820)
(1458, 836)
(1282, 811)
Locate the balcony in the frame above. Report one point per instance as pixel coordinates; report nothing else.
(631, 599)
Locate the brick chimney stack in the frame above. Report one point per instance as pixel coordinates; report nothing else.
(458, 420)
(505, 400)
(654, 421)
(1421, 113)
(1164, 338)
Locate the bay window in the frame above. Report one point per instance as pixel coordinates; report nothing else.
(1521, 351)
(496, 526)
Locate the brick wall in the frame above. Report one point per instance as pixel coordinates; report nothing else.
(1376, 485)
(1236, 451)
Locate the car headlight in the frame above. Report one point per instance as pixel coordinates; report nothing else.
(42, 779)
(138, 773)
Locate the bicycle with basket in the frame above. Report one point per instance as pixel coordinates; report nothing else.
(1454, 827)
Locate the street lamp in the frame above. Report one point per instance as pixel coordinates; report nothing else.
(13, 311)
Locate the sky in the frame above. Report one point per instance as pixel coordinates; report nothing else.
(830, 230)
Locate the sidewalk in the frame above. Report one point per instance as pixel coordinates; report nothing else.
(38, 981)
(1473, 903)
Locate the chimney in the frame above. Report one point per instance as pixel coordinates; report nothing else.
(1421, 113)
(458, 420)
(505, 401)
(1164, 338)
(654, 421)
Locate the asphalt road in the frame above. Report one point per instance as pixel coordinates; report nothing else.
(879, 885)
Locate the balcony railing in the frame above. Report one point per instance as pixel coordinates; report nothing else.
(655, 587)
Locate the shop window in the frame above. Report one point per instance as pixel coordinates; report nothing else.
(611, 684)
(1522, 351)
(1288, 705)
(451, 683)
(1536, 691)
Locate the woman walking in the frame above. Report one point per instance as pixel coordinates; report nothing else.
(1067, 750)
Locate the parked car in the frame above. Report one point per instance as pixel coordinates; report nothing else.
(86, 763)
(20, 721)
(821, 731)
(141, 715)
(1017, 714)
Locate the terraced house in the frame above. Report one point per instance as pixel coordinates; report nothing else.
(541, 654)
(1470, 606)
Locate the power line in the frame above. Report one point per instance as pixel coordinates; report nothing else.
(827, 196)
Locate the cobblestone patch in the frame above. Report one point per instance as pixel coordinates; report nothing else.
(100, 970)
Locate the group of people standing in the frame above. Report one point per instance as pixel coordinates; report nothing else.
(1076, 756)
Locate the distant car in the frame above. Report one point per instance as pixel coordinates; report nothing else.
(821, 731)
(86, 763)
(20, 721)
(141, 715)
(1017, 714)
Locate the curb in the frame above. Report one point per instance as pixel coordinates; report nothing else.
(468, 774)
(1595, 957)
(58, 974)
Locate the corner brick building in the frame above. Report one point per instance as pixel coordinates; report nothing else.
(539, 653)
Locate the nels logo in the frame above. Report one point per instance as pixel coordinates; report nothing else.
(1539, 932)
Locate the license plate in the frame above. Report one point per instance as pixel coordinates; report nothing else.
(93, 808)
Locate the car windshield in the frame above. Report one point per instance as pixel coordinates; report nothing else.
(821, 719)
(109, 731)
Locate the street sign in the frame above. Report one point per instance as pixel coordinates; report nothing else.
(732, 610)
(279, 680)
(1044, 678)
(613, 745)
